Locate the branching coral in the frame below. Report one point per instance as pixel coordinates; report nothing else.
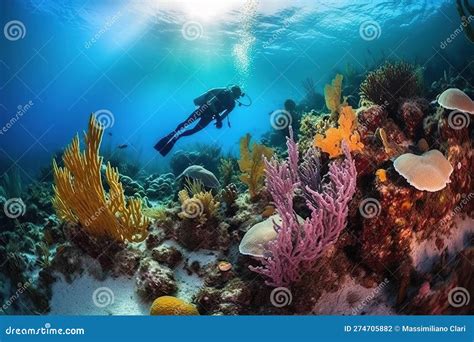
(158, 213)
(80, 196)
(333, 94)
(193, 186)
(332, 141)
(391, 83)
(252, 164)
(298, 246)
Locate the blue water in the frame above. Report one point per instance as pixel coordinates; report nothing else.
(134, 60)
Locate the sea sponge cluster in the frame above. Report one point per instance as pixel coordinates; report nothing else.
(172, 306)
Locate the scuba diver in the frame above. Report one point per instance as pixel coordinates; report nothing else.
(216, 104)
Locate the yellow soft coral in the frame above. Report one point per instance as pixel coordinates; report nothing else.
(79, 195)
(333, 94)
(201, 206)
(331, 142)
(172, 306)
(251, 164)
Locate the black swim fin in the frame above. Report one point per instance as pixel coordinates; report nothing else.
(165, 145)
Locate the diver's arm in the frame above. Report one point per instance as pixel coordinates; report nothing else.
(224, 114)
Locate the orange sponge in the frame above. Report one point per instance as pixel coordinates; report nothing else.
(331, 141)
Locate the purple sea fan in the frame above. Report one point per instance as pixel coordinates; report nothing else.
(298, 246)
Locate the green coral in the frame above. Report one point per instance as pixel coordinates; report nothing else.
(226, 171)
(312, 124)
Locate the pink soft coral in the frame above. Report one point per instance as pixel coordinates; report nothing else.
(297, 247)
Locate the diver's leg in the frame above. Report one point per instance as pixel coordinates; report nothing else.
(190, 120)
(165, 145)
(203, 122)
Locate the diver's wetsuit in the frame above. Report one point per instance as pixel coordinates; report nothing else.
(211, 105)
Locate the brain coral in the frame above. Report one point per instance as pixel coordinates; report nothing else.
(172, 306)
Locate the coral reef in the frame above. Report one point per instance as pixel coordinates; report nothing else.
(167, 255)
(410, 116)
(80, 196)
(454, 279)
(205, 155)
(252, 165)
(330, 226)
(154, 280)
(160, 187)
(232, 299)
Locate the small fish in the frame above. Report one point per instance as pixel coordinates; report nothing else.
(110, 134)
(122, 146)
